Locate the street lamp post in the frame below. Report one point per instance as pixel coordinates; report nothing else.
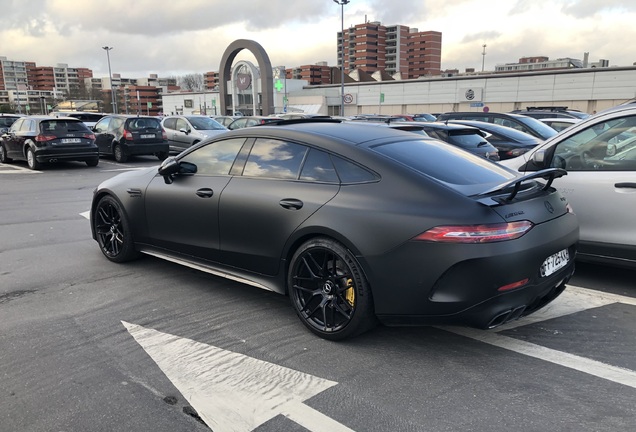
(483, 57)
(342, 4)
(110, 77)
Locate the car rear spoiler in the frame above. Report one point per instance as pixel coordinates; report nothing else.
(548, 174)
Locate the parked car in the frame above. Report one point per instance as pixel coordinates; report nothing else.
(424, 117)
(509, 142)
(247, 121)
(186, 131)
(354, 223)
(466, 137)
(90, 119)
(601, 181)
(559, 123)
(6, 120)
(224, 120)
(292, 116)
(42, 140)
(520, 122)
(122, 136)
(552, 112)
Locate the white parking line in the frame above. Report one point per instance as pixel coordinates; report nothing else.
(13, 169)
(574, 299)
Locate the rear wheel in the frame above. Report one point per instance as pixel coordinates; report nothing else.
(162, 155)
(328, 290)
(119, 153)
(113, 231)
(3, 155)
(92, 162)
(32, 162)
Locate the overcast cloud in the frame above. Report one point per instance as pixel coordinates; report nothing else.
(189, 36)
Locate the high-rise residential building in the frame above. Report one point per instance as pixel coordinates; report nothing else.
(315, 74)
(395, 49)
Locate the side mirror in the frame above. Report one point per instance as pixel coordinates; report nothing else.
(171, 167)
(168, 168)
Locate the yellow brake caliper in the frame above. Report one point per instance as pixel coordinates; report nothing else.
(350, 293)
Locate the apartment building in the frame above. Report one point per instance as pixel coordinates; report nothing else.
(395, 49)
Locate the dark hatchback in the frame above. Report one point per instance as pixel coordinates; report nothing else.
(354, 223)
(45, 139)
(122, 136)
(509, 142)
(520, 122)
(467, 137)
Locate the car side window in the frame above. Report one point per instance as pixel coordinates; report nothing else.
(28, 126)
(348, 172)
(115, 123)
(215, 158)
(102, 125)
(170, 123)
(318, 167)
(182, 124)
(16, 125)
(604, 146)
(275, 159)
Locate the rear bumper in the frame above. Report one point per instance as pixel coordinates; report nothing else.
(429, 283)
(58, 155)
(145, 149)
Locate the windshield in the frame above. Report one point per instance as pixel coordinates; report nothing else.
(205, 123)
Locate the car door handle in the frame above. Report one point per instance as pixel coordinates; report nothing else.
(626, 185)
(205, 192)
(291, 204)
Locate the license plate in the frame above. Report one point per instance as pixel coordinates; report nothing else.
(555, 262)
(71, 140)
(148, 136)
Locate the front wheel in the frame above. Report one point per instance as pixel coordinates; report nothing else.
(113, 231)
(328, 290)
(3, 155)
(32, 162)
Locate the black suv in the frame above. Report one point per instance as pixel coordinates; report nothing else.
(47, 139)
(551, 112)
(6, 120)
(122, 136)
(520, 122)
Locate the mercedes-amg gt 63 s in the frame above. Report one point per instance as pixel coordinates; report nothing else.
(355, 224)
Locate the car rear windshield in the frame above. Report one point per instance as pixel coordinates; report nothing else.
(452, 166)
(62, 127)
(139, 124)
(466, 138)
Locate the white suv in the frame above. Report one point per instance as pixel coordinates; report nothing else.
(599, 154)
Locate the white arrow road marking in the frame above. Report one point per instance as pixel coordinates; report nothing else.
(232, 392)
(86, 214)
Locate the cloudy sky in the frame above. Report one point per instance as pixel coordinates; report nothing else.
(178, 37)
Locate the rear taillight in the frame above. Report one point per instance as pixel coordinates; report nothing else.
(476, 233)
(127, 135)
(44, 138)
(163, 134)
(89, 136)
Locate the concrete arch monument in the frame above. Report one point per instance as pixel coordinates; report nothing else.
(264, 65)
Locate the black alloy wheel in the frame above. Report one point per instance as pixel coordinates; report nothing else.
(328, 290)
(113, 231)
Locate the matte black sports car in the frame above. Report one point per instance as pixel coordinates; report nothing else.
(355, 224)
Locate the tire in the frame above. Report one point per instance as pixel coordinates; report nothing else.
(112, 230)
(162, 155)
(329, 291)
(119, 154)
(92, 162)
(32, 162)
(3, 155)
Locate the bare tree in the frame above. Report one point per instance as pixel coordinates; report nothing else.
(192, 82)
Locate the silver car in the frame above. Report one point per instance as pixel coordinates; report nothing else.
(599, 155)
(186, 131)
